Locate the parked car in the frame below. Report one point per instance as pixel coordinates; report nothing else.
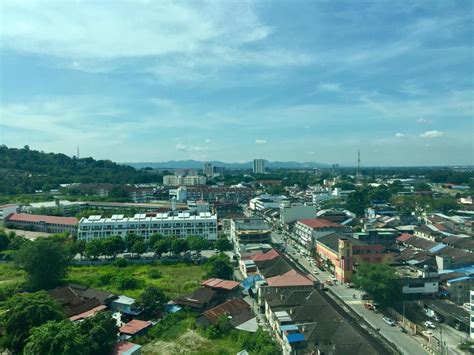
(333, 278)
(403, 330)
(438, 318)
(329, 283)
(369, 306)
(315, 271)
(429, 324)
(350, 285)
(389, 321)
(365, 296)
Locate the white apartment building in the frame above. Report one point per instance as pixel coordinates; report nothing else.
(188, 180)
(307, 231)
(258, 166)
(179, 224)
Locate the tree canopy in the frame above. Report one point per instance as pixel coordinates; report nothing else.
(219, 266)
(24, 312)
(378, 280)
(45, 261)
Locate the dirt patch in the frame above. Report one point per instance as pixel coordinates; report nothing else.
(187, 343)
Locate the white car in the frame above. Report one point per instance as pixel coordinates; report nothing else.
(333, 278)
(389, 321)
(315, 271)
(430, 325)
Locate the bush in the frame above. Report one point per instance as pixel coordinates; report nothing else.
(127, 283)
(104, 279)
(154, 273)
(120, 263)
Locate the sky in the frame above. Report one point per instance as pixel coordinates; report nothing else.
(149, 81)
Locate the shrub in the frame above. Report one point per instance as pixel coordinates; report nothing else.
(126, 282)
(120, 263)
(154, 273)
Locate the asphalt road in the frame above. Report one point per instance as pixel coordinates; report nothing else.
(406, 344)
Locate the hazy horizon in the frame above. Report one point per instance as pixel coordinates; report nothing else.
(233, 81)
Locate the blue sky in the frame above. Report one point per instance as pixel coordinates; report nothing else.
(234, 80)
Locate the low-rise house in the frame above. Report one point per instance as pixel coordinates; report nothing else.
(200, 300)
(225, 287)
(79, 301)
(127, 348)
(125, 305)
(236, 310)
(134, 328)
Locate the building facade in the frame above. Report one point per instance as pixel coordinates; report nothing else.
(40, 223)
(167, 224)
(472, 315)
(188, 180)
(207, 169)
(7, 210)
(259, 166)
(307, 231)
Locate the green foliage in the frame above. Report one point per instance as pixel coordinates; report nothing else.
(223, 244)
(357, 202)
(29, 170)
(24, 312)
(161, 247)
(379, 281)
(125, 282)
(139, 247)
(151, 301)
(197, 243)
(154, 273)
(345, 185)
(45, 261)
(428, 204)
(121, 263)
(219, 266)
(56, 338)
(95, 335)
(179, 246)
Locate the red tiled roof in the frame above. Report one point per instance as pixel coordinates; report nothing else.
(269, 255)
(231, 307)
(317, 223)
(441, 227)
(404, 237)
(220, 284)
(24, 217)
(88, 313)
(289, 279)
(134, 326)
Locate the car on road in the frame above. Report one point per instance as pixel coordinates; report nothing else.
(333, 278)
(429, 324)
(369, 306)
(315, 271)
(389, 321)
(329, 283)
(365, 296)
(349, 285)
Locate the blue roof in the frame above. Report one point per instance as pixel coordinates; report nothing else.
(295, 337)
(462, 278)
(437, 248)
(288, 327)
(172, 308)
(249, 282)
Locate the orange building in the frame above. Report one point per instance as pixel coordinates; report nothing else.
(340, 253)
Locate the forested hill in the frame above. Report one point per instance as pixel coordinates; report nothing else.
(25, 170)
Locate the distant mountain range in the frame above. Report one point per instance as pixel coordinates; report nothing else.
(196, 164)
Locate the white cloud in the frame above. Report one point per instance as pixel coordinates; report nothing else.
(190, 148)
(432, 134)
(260, 141)
(400, 135)
(208, 140)
(423, 121)
(329, 87)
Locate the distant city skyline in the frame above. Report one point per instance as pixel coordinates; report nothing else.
(234, 81)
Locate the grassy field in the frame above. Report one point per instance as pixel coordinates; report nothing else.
(10, 274)
(175, 280)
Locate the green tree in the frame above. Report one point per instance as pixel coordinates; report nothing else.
(94, 248)
(78, 247)
(197, 244)
(101, 333)
(219, 266)
(24, 312)
(161, 247)
(114, 245)
(422, 186)
(45, 261)
(379, 281)
(179, 246)
(56, 337)
(4, 240)
(139, 247)
(151, 301)
(357, 202)
(223, 244)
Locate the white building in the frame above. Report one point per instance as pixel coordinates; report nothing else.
(180, 194)
(307, 231)
(339, 193)
(6, 210)
(296, 211)
(188, 180)
(258, 166)
(266, 201)
(167, 224)
(208, 169)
